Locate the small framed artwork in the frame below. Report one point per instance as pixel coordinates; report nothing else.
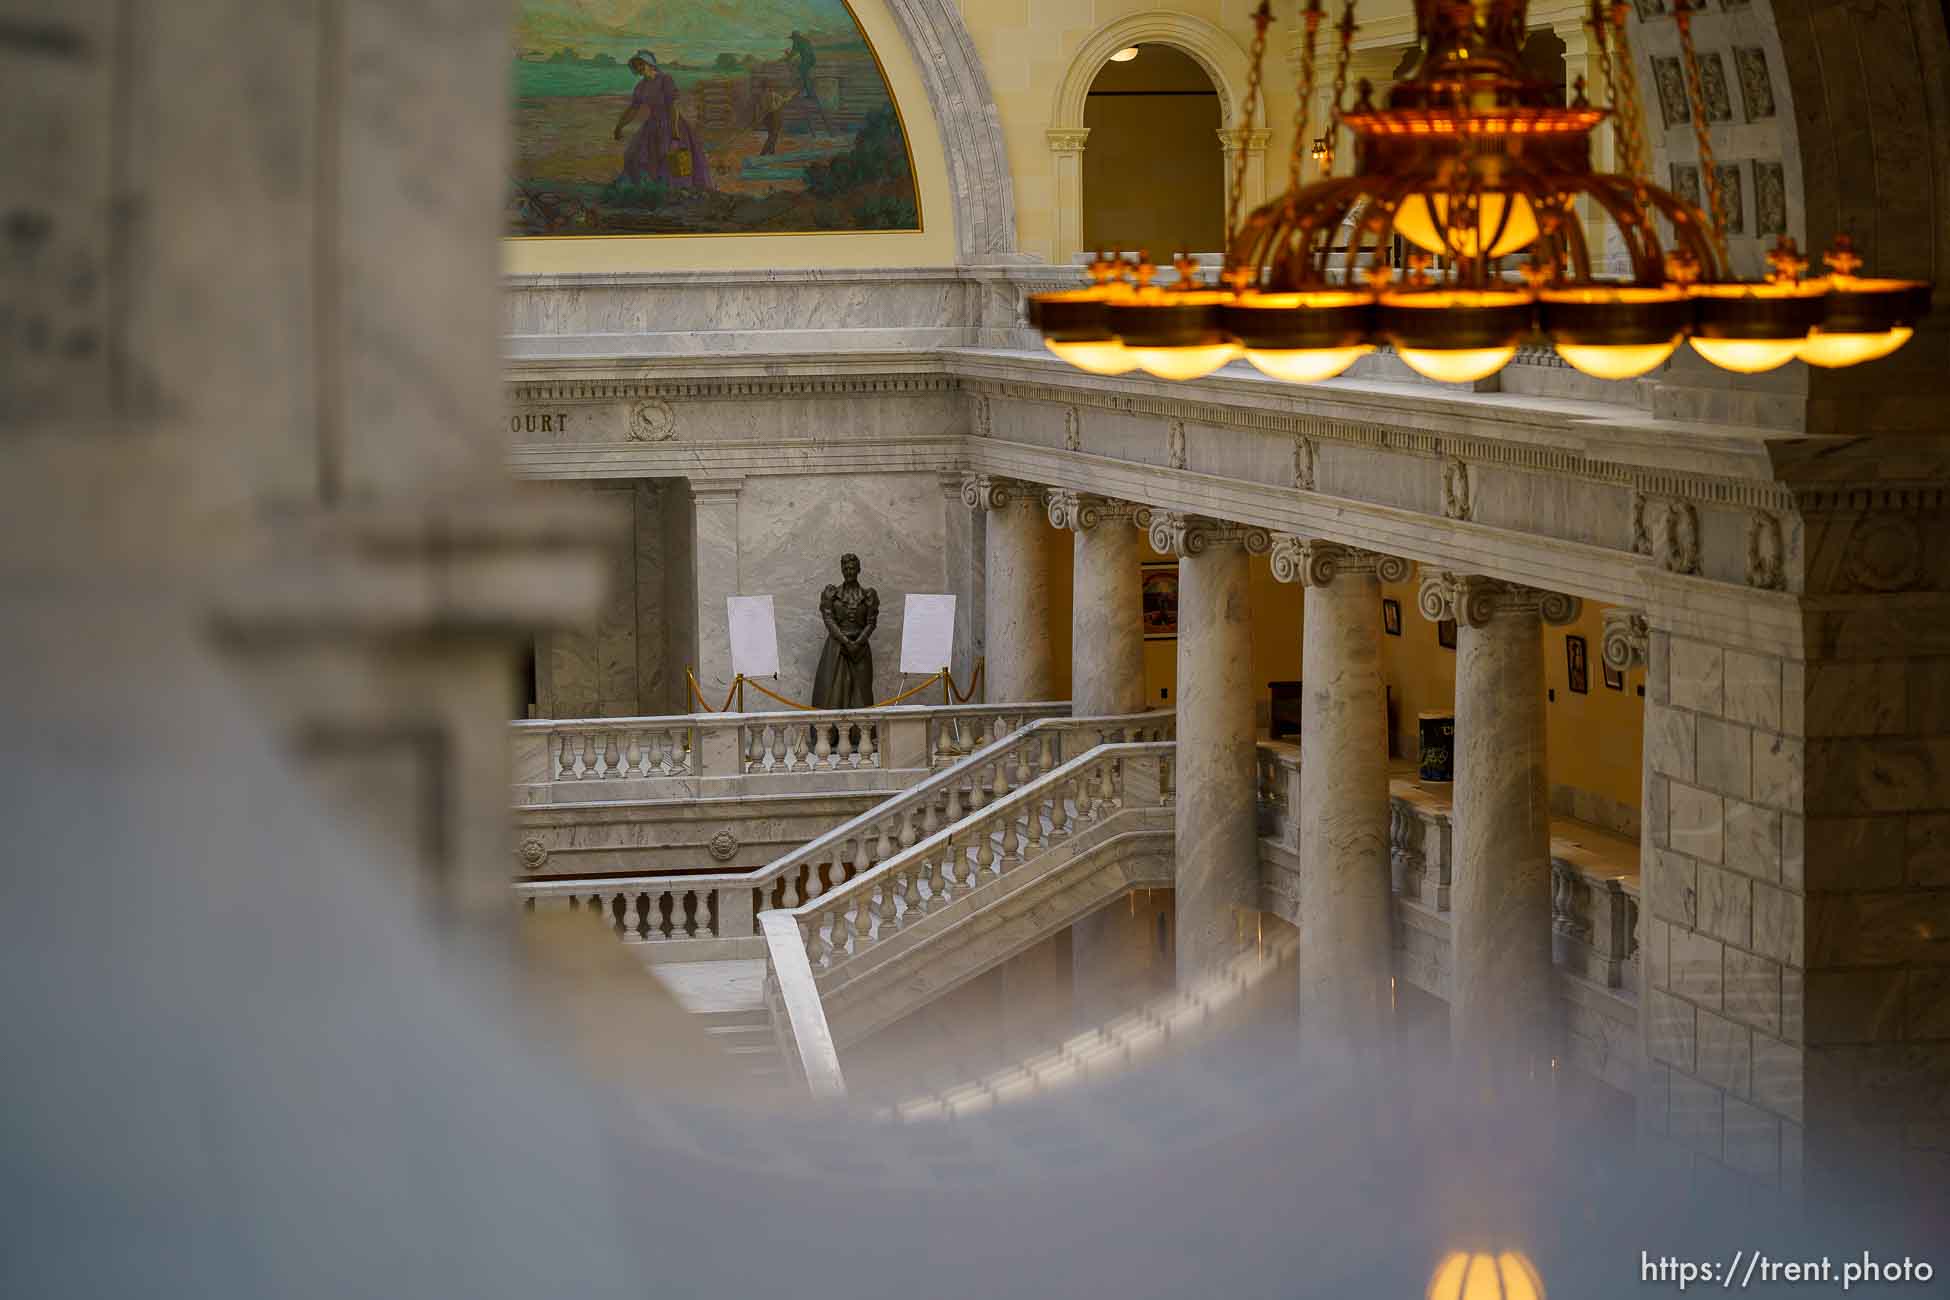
(1391, 616)
(1445, 633)
(1577, 666)
(1159, 582)
(1614, 680)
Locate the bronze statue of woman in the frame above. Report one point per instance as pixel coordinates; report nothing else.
(845, 678)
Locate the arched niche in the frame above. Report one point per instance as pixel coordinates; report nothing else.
(1224, 63)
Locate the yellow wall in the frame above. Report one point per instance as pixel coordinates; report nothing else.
(1151, 176)
(932, 245)
(1594, 739)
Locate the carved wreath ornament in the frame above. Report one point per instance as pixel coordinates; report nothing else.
(723, 846)
(652, 421)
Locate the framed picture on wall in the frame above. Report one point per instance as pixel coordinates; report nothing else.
(1159, 582)
(1391, 616)
(1577, 666)
(1614, 680)
(1445, 633)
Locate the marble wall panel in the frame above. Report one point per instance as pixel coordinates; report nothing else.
(792, 532)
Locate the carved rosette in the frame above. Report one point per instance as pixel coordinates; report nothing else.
(1624, 642)
(1472, 601)
(1183, 535)
(533, 854)
(723, 846)
(1079, 511)
(983, 492)
(1317, 564)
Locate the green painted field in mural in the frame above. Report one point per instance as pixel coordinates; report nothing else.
(703, 117)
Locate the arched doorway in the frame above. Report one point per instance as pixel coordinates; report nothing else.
(1224, 68)
(1153, 175)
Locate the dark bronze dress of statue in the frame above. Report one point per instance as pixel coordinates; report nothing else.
(845, 678)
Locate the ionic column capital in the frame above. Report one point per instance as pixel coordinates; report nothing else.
(1185, 535)
(1625, 640)
(1067, 139)
(1473, 600)
(1317, 563)
(1081, 511)
(985, 492)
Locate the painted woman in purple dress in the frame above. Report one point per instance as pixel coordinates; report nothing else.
(652, 152)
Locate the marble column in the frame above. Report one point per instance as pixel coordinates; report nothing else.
(1217, 839)
(1345, 905)
(714, 548)
(1106, 635)
(1015, 601)
(1501, 1005)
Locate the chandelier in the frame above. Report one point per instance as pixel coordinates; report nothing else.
(1457, 238)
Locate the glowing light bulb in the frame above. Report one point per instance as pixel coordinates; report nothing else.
(1098, 356)
(1185, 363)
(1831, 350)
(1748, 356)
(1423, 220)
(1457, 365)
(1305, 365)
(1615, 361)
(1482, 1276)
(1125, 55)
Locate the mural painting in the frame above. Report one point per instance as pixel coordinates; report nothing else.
(703, 117)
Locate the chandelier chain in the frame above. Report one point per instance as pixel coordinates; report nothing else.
(1630, 112)
(1341, 61)
(1303, 112)
(1262, 19)
(1682, 12)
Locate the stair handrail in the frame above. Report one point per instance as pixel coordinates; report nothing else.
(1163, 720)
(805, 1037)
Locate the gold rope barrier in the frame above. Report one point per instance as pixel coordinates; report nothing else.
(944, 676)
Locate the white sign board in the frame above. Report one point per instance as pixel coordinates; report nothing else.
(927, 633)
(754, 636)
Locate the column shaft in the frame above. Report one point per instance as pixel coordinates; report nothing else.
(1500, 1008)
(1106, 634)
(1346, 941)
(1217, 834)
(1016, 618)
(714, 551)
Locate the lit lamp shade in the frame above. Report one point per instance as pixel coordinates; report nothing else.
(1483, 1276)
(1456, 336)
(1075, 328)
(1504, 222)
(1615, 331)
(1172, 333)
(1302, 337)
(1865, 320)
(1751, 328)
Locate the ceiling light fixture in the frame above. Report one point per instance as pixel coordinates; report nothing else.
(1469, 180)
(1125, 55)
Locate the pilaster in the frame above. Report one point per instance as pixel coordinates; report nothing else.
(714, 550)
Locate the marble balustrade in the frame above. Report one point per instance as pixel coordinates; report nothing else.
(690, 755)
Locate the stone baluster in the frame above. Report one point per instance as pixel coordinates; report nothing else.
(1016, 590)
(1501, 1004)
(1345, 908)
(1217, 833)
